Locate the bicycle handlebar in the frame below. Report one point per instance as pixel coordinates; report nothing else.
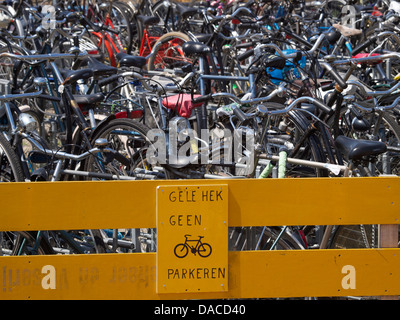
(278, 50)
(339, 80)
(95, 27)
(379, 108)
(374, 93)
(74, 157)
(314, 101)
(369, 59)
(10, 97)
(242, 116)
(49, 56)
(231, 16)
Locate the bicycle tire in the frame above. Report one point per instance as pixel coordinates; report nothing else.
(203, 252)
(11, 171)
(168, 54)
(129, 138)
(25, 244)
(10, 165)
(354, 237)
(311, 148)
(389, 133)
(182, 252)
(261, 238)
(121, 16)
(364, 236)
(160, 9)
(137, 155)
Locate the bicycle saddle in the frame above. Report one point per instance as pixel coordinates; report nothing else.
(332, 36)
(72, 76)
(126, 60)
(273, 61)
(360, 8)
(347, 31)
(354, 149)
(100, 69)
(148, 20)
(88, 99)
(192, 47)
(185, 11)
(203, 37)
(366, 55)
(181, 103)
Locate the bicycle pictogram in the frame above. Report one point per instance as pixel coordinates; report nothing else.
(195, 246)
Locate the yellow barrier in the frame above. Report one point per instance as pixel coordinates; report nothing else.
(248, 274)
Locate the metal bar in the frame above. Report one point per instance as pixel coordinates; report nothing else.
(318, 201)
(252, 274)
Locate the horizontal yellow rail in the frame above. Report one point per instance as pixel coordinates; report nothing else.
(251, 274)
(132, 204)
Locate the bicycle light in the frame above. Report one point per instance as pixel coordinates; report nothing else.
(104, 6)
(39, 82)
(27, 122)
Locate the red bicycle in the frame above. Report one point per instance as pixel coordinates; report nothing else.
(163, 50)
(111, 25)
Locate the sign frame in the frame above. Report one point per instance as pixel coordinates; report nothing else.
(192, 239)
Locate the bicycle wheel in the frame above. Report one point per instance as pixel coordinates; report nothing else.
(295, 128)
(15, 25)
(129, 138)
(261, 238)
(88, 43)
(76, 241)
(26, 243)
(169, 53)
(11, 242)
(160, 9)
(354, 236)
(181, 250)
(204, 250)
(387, 129)
(121, 22)
(10, 166)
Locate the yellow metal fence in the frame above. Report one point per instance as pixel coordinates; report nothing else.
(205, 208)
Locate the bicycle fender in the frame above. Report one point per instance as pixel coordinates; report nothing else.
(102, 123)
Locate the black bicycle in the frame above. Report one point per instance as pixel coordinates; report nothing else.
(182, 249)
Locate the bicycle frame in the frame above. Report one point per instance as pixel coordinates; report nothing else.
(106, 41)
(198, 243)
(146, 45)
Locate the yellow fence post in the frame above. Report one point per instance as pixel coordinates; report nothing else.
(388, 238)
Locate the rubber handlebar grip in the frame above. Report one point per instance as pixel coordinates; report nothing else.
(339, 80)
(322, 106)
(202, 99)
(245, 55)
(119, 157)
(240, 114)
(362, 46)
